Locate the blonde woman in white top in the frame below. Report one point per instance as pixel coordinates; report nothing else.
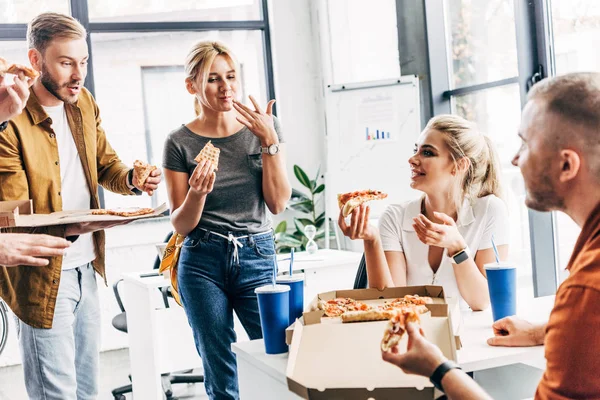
(444, 237)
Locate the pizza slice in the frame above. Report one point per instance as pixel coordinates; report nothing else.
(397, 326)
(349, 201)
(15, 69)
(132, 213)
(209, 153)
(367, 315)
(142, 171)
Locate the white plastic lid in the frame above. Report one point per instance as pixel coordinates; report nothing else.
(290, 278)
(501, 265)
(272, 289)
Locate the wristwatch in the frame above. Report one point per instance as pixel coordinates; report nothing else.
(270, 150)
(461, 256)
(440, 371)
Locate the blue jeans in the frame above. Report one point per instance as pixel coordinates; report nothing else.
(62, 362)
(212, 283)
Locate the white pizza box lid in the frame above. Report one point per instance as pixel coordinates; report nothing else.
(343, 361)
(19, 213)
(442, 306)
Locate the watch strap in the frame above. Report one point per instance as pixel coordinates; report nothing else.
(3, 126)
(440, 371)
(461, 256)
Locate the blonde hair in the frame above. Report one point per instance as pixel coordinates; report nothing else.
(464, 140)
(46, 27)
(198, 63)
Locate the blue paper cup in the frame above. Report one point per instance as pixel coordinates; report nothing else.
(296, 284)
(502, 284)
(274, 309)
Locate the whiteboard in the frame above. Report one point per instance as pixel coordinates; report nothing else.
(372, 128)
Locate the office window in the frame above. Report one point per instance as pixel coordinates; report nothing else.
(576, 28)
(482, 41)
(364, 40)
(141, 91)
(22, 11)
(173, 10)
(497, 113)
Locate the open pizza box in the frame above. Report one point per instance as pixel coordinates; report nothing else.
(329, 359)
(442, 306)
(19, 213)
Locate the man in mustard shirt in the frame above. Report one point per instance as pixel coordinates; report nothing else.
(56, 153)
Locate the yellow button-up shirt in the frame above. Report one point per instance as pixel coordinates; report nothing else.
(30, 169)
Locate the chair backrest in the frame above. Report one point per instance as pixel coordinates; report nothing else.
(360, 282)
(158, 260)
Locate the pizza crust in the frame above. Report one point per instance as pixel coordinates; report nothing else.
(349, 201)
(142, 171)
(366, 316)
(15, 69)
(209, 153)
(136, 213)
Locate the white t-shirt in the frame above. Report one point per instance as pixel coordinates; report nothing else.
(476, 222)
(74, 190)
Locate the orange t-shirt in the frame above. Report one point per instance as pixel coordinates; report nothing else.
(572, 342)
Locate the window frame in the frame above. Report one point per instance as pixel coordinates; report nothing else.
(535, 61)
(80, 11)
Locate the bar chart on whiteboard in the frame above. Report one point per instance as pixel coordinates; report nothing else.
(372, 128)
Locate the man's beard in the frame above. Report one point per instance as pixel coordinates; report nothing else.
(53, 87)
(544, 196)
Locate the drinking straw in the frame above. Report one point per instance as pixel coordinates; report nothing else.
(495, 250)
(291, 260)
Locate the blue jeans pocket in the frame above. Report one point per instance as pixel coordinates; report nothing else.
(265, 248)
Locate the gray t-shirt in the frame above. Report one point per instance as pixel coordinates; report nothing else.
(236, 202)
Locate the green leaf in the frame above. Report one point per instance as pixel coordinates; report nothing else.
(319, 189)
(299, 226)
(290, 241)
(282, 227)
(305, 221)
(298, 195)
(320, 220)
(313, 185)
(317, 176)
(304, 206)
(302, 177)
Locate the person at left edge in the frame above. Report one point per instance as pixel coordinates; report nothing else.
(56, 153)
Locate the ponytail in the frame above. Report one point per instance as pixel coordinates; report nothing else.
(490, 182)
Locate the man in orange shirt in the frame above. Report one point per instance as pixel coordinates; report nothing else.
(560, 162)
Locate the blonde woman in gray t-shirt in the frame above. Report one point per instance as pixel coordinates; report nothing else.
(229, 248)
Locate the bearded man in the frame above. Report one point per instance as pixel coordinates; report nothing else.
(56, 153)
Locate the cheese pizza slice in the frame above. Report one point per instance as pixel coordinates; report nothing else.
(349, 201)
(142, 171)
(397, 326)
(209, 153)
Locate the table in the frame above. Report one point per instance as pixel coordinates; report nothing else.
(263, 376)
(160, 339)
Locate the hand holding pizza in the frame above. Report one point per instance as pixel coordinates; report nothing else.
(444, 235)
(421, 358)
(146, 177)
(202, 180)
(258, 121)
(13, 98)
(359, 227)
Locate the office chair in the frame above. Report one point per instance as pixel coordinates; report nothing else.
(120, 323)
(360, 282)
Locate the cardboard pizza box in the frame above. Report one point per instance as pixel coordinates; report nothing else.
(442, 306)
(335, 360)
(20, 214)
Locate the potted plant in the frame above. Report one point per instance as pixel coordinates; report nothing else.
(305, 204)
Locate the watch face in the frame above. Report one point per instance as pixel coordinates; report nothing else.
(273, 149)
